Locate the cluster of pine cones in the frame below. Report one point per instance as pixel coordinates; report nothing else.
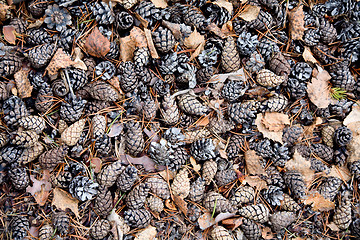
(165, 140)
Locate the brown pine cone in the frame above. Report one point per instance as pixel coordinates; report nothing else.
(328, 32)
(51, 158)
(295, 181)
(263, 22)
(208, 172)
(100, 229)
(134, 140)
(61, 222)
(289, 204)
(19, 178)
(354, 168)
(279, 65)
(34, 123)
(215, 200)
(137, 218)
(204, 74)
(31, 153)
(220, 233)
(197, 134)
(181, 184)
(230, 58)
(267, 78)
(197, 190)
(103, 91)
(71, 135)
(258, 213)
(281, 220)
(159, 187)
(41, 55)
(25, 139)
(61, 179)
(108, 174)
(155, 204)
(44, 99)
(9, 64)
(170, 113)
(251, 229)
(243, 195)
(322, 151)
(328, 136)
(342, 215)
(62, 126)
(330, 187)
(103, 203)
(292, 134)
(163, 39)
(137, 196)
(95, 106)
(235, 146)
(19, 226)
(46, 232)
(127, 178)
(191, 105)
(276, 103)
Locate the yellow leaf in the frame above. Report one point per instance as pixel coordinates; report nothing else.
(63, 200)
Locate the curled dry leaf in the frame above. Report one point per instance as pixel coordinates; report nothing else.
(139, 37)
(63, 200)
(182, 205)
(266, 233)
(147, 233)
(301, 165)
(197, 51)
(318, 89)
(206, 220)
(150, 43)
(232, 223)
(333, 227)
(23, 86)
(127, 48)
(255, 182)
(318, 202)
(194, 40)
(78, 56)
(353, 117)
(274, 135)
(253, 164)
(160, 3)
(308, 56)
(239, 75)
(147, 162)
(275, 121)
(308, 130)
(225, 4)
(96, 163)
(118, 224)
(116, 129)
(9, 34)
(59, 61)
(195, 166)
(40, 189)
(340, 172)
(296, 23)
(97, 44)
(250, 13)
(212, 27)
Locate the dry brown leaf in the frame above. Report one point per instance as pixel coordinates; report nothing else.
(139, 37)
(119, 227)
(308, 56)
(333, 227)
(170, 204)
(78, 56)
(308, 130)
(143, 22)
(297, 23)
(23, 86)
(274, 135)
(205, 221)
(354, 146)
(225, 4)
(167, 175)
(275, 121)
(59, 61)
(150, 44)
(34, 232)
(40, 189)
(250, 13)
(147, 162)
(127, 48)
(354, 116)
(266, 233)
(318, 202)
(239, 75)
(9, 34)
(301, 165)
(222, 216)
(212, 27)
(223, 153)
(116, 129)
(194, 40)
(232, 223)
(318, 89)
(182, 205)
(3, 11)
(202, 121)
(63, 200)
(340, 172)
(147, 233)
(37, 23)
(195, 166)
(255, 182)
(160, 3)
(96, 44)
(253, 164)
(96, 164)
(197, 51)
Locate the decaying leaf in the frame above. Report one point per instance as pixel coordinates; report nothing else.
(63, 200)
(297, 23)
(308, 130)
(118, 223)
(40, 189)
(97, 44)
(232, 222)
(250, 13)
(333, 227)
(212, 27)
(239, 75)
(275, 121)
(274, 135)
(202, 121)
(197, 51)
(139, 37)
(78, 56)
(96, 163)
(194, 40)
(37, 23)
(9, 34)
(160, 3)
(59, 61)
(206, 220)
(340, 172)
(253, 164)
(255, 182)
(3, 11)
(225, 4)
(196, 166)
(150, 43)
(147, 233)
(182, 205)
(308, 56)
(301, 165)
(318, 202)
(127, 48)
(116, 129)
(318, 89)
(23, 86)
(147, 162)
(353, 117)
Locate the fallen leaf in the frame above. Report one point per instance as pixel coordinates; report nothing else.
(308, 130)
(150, 44)
(167, 175)
(40, 189)
(127, 48)
(78, 56)
(239, 75)
(318, 89)
(255, 182)
(333, 227)
(118, 223)
(266, 233)
(308, 56)
(202, 121)
(139, 37)
(182, 205)
(195, 166)
(37, 23)
(223, 153)
(274, 135)
(59, 61)
(296, 23)
(232, 223)
(197, 51)
(96, 164)
(97, 44)
(212, 27)
(318, 202)
(153, 136)
(250, 13)
(116, 129)
(301, 165)
(23, 86)
(180, 31)
(9, 34)
(205, 221)
(147, 233)
(340, 172)
(63, 200)
(147, 162)
(160, 3)
(194, 40)
(275, 121)
(222, 216)
(170, 204)
(143, 22)
(34, 231)
(225, 4)
(353, 116)
(253, 164)
(354, 148)
(3, 11)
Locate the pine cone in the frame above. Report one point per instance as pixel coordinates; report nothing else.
(127, 178)
(137, 196)
(103, 145)
(292, 134)
(159, 187)
(243, 195)
(273, 195)
(193, 212)
(181, 184)
(220, 233)
(124, 20)
(141, 57)
(247, 43)
(25, 138)
(279, 65)
(213, 200)
(103, 202)
(281, 220)
(72, 109)
(128, 79)
(72, 134)
(19, 225)
(267, 78)
(46, 232)
(78, 77)
(209, 171)
(51, 158)
(203, 149)
(19, 178)
(108, 174)
(255, 63)
(324, 152)
(295, 181)
(224, 177)
(328, 136)
(103, 91)
(342, 214)
(342, 136)
(193, 17)
(9, 64)
(243, 112)
(230, 58)
(163, 39)
(4, 139)
(330, 187)
(263, 22)
(233, 89)
(68, 37)
(57, 18)
(251, 229)
(276, 103)
(61, 180)
(10, 154)
(60, 87)
(302, 71)
(100, 229)
(267, 48)
(235, 145)
(197, 190)
(95, 106)
(98, 124)
(38, 36)
(34, 123)
(134, 140)
(4, 91)
(127, 4)
(31, 153)
(170, 113)
(148, 11)
(103, 13)
(14, 109)
(61, 222)
(258, 213)
(105, 70)
(289, 204)
(41, 55)
(36, 8)
(137, 218)
(155, 204)
(83, 188)
(311, 37)
(328, 32)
